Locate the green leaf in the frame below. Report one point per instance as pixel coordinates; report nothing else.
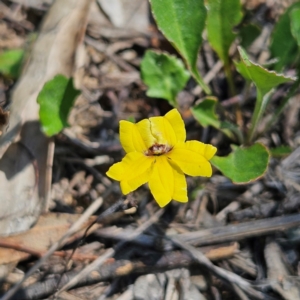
(182, 23)
(281, 151)
(295, 24)
(10, 62)
(283, 45)
(205, 113)
(248, 33)
(56, 100)
(244, 165)
(222, 16)
(264, 81)
(131, 119)
(164, 74)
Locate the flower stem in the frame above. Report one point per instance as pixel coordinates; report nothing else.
(232, 92)
(260, 106)
(200, 81)
(229, 77)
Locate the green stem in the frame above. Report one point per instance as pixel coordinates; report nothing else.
(206, 88)
(232, 90)
(229, 78)
(240, 136)
(260, 105)
(246, 91)
(234, 134)
(200, 81)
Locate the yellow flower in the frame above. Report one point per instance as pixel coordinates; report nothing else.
(156, 152)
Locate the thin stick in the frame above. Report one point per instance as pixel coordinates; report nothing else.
(73, 229)
(240, 231)
(114, 269)
(110, 252)
(216, 235)
(226, 275)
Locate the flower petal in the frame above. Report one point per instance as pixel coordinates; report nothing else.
(128, 186)
(134, 164)
(161, 182)
(144, 128)
(130, 137)
(206, 150)
(190, 162)
(167, 182)
(167, 130)
(180, 187)
(162, 131)
(125, 187)
(174, 118)
(117, 171)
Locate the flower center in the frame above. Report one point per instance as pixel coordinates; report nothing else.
(158, 149)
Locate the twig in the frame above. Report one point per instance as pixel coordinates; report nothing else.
(39, 253)
(73, 229)
(239, 292)
(278, 273)
(240, 231)
(226, 275)
(216, 235)
(110, 252)
(152, 264)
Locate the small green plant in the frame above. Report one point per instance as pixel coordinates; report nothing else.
(183, 23)
(10, 62)
(265, 81)
(287, 30)
(56, 100)
(177, 20)
(165, 75)
(222, 16)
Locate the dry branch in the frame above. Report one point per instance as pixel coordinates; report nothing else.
(224, 234)
(240, 231)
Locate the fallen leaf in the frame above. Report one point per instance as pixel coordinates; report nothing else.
(49, 229)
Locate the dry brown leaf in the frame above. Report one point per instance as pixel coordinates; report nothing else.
(49, 229)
